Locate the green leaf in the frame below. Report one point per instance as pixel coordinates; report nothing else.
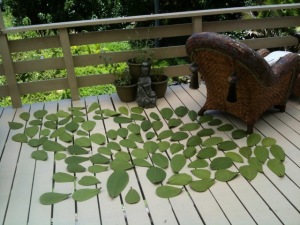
(132, 196)
(238, 134)
(205, 118)
(139, 153)
(75, 168)
(181, 111)
(150, 146)
(122, 156)
(248, 171)
(124, 110)
(118, 164)
(168, 191)
(34, 142)
(221, 163)
(164, 134)
(99, 159)
(277, 152)
(45, 132)
(205, 132)
(163, 146)
(166, 113)
(77, 114)
(157, 125)
(256, 163)
(50, 124)
(64, 121)
(75, 159)
(51, 198)
(225, 175)
(122, 120)
(128, 143)
(225, 127)
(83, 142)
(137, 117)
(189, 152)
(180, 179)
(179, 136)
(134, 128)
(261, 153)
(116, 183)
(154, 116)
(198, 163)
(53, 146)
(246, 152)
(268, 141)
(212, 141)
(88, 125)
(72, 126)
(93, 107)
(65, 137)
(277, 167)
(177, 163)
(25, 116)
(97, 169)
(201, 173)
(173, 122)
(61, 177)
(85, 194)
(194, 141)
(189, 127)
(215, 122)
(138, 110)
(88, 181)
(160, 160)
(192, 115)
(253, 139)
(150, 135)
(146, 125)
(39, 114)
(60, 156)
(156, 175)
(207, 153)
(51, 117)
(136, 138)
(112, 134)
(96, 117)
(176, 147)
(111, 113)
(104, 150)
(234, 156)
(227, 145)
(76, 150)
(122, 132)
(22, 138)
(39, 155)
(141, 162)
(114, 146)
(58, 132)
(98, 138)
(15, 125)
(202, 185)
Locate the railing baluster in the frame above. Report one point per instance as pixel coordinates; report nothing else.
(69, 63)
(197, 24)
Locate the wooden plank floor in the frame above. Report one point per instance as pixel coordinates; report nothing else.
(267, 199)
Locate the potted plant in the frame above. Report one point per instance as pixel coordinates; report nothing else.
(159, 82)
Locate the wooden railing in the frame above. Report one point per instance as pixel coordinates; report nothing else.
(64, 40)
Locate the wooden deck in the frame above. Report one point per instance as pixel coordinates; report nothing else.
(266, 200)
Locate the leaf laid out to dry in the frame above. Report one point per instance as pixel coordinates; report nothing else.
(51, 198)
(132, 196)
(116, 183)
(168, 191)
(85, 194)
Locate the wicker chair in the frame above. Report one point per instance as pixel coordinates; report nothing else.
(238, 79)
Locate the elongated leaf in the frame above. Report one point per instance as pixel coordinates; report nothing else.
(215, 122)
(277, 167)
(277, 152)
(122, 156)
(141, 162)
(164, 134)
(160, 160)
(66, 137)
(64, 121)
(168, 191)
(150, 146)
(225, 127)
(35, 122)
(206, 153)
(15, 125)
(221, 163)
(253, 139)
(39, 155)
(154, 116)
(248, 171)
(139, 153)
(132, 196)
(137, 117)
(205, 132)
(180, 179)
(246, 152)
(198, 163)
(51, 198)
(88, 125)
(39, 114)
(83, 142)
(116, 183)
(156, 175)
(62, 114)
(181, 111)
(202, 185)
(22, 138)
(192, 115)
(227, 145)
(119, 165)
(134, 128)
(179, 136)
(51, 117)
(189, 152)
(97, 168)
(261, 153)
(194, 141)
(174, 122)
(176, 147)
(166, 113)
(34, 142)
(76, 150)
(225, 175)
(177, 163)
(61, 177)
(99, 159)
(98, 138)
(212, 141)
(53, 146)
(75, 168)
(238, 134)
(256, 163)
(268, 141)
(189, 127)
(50, 124)
(235, 157)
(157, 125)
(201, 173)
(93, 107)
(110, 113)
(25, 116)
(85, 194)
(72, 126)
(137, 110)
(122, 120)
(75, 159)
(163, 145)
(128, 143)
(88, 181)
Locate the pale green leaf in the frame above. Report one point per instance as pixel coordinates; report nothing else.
(83, 142)
(132, 196)
(51, 117)
(176, 147)
(139, 153)
(235, 157)
(261, 153)
(160, 160)
(277, 167)
(253, 139)
(136, 138)
(99, 159)
(74, 159)
(246, 152)
(97, 168)
(268, 141)
(255, 162)
(163, 146)
(212, 141)
(35, 122)
(61, 177)
(98, 138)
(150, 146)
(50, 124)
(156, 175)
(202, 185)
(166, 113)
(66, 137)
(118, 164)
(85, 194)
(177, 163)
(15, 125)
(34, 142)
(88, 181)
(39, 155)
(116, 183)
(168, 191)
(123, 110)
(277, 152)
(134, 128)
(180, 179)
(88, 125)
(189, 152)
(72, 126)
(198, 163)
(137, 117)
(31, 131)
(225, 175)
(76, 150)
(110, 113)
(22, 138)
(122, 132)
(58, 132)
(112, 134)
(64, 121)
(122, 156)
(45, 132)
(51, 198)
(128, 143)
(104, 150)
(75, 168)
(138, 110)
(60, 156)
(248, 171)
(201, 173)
(141, 162)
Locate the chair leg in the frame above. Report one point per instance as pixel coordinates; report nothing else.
(280, 107)
(201, 111)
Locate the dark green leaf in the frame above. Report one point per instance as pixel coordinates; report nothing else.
(255, 162)
(122, 156)
(192, 115)
(99, 159)
(194, 141)
(72, 126)
(128, 143)
(225, 127)
(238, 134)
(160, 160)
(215, 122)
(164, 134)
(221, 163)
(150, 135)
(50, 124)
(25, 116)
(179, 136)
(93, 107)
(189, 127)
(157, 125)
(253, 139)
(112, 134)
(173, 122)
(227, 145)
(156, 175)
(88, 125)
(207, 153)
(261, 153)
(163, 145)
(75, 159)
(122, 120)
(134, 128)
(205, 118)
(52, 117)
(15, 125)
(139, 153)
(122, 132)
(98, 138)
(181, 111)
(166, 113)
(137, 117)
(22, 138)
(76, 150)
(277, 152)
(205, 132)
(146, 125)
(234, 156)
(189, 152)
(110, 113)
(39, 114)
(141, 162)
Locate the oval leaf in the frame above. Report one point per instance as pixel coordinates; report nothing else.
(227, 145)
(168, 191)
(225, 175)
(132, 196)
(277, 167)
(85, 194)
(179, 136)
(15, 125)
(207, 153)
(201, 173)
(156, 175)
(88, 181)
(181, 111)
(61, 177)
(116, 183)
(39, 155)
(221, 163)
(166, 113)
(51, 198)
(119, 165)
(253, 139)
(177, 163)
(234, 156)
(180, 179)
(277, 152)
(248, 171)
(160, 160)
(202, 185)
(261, 153)
(212, 141)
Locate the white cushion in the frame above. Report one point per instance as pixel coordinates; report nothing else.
(273, 57)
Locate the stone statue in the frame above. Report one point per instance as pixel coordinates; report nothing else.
(146, 97)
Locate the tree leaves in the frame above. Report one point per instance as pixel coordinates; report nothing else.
(116, 183)
(51, 198)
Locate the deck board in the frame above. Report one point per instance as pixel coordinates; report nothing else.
(267, 199)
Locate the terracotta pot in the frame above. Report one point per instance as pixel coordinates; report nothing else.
(160, 85)
(127, 93)
(135, 69)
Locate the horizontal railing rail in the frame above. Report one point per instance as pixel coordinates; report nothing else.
(68, 61)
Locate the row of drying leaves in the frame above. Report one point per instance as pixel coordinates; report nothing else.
(160, 149)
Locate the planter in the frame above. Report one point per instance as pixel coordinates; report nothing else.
(135, 68)
(127, 93)
(159, 84)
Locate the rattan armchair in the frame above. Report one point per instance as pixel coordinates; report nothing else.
(238, 80)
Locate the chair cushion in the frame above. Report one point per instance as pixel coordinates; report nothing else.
(273, 57)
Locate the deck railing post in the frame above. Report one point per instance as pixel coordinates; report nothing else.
(9, 68)
(197, 24)
(69, 63)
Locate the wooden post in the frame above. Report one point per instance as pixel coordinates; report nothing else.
(69, 63)
(9, 68)
(197, 24)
